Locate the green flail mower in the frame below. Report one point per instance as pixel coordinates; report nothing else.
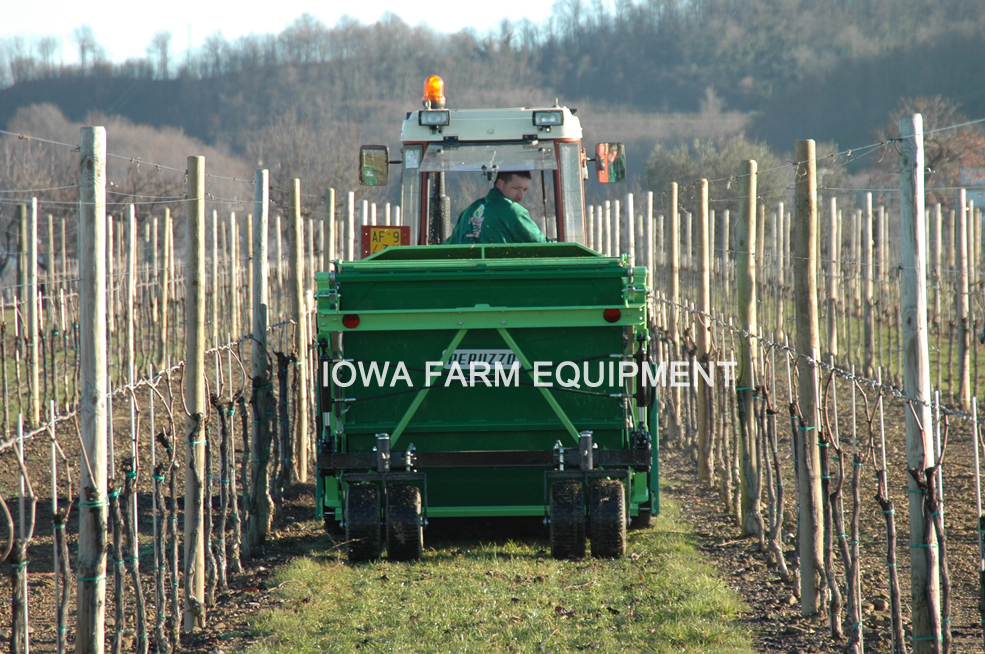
(480, 381)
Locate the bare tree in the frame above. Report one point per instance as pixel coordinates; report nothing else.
(47, 47)
(305, 40)
(159, 51)
(215, 48)
(22, 64)
(295, 146)
(85, 39)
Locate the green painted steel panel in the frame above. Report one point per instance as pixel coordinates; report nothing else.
(414, 303)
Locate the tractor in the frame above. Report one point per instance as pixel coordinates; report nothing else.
(490, 379)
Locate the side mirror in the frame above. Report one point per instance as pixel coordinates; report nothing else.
(374, 165)
(610, 162)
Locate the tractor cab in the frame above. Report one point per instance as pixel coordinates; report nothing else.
(450, 158)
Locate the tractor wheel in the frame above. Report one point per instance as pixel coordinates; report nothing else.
(608, 504)
(362, 522)
(404, 522)
(567, 520)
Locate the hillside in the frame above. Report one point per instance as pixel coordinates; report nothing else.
(642, 73)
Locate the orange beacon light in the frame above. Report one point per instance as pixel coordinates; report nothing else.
(434, 92)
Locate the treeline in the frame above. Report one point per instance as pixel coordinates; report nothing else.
(662, 54)
(654, 54)
(643, 72)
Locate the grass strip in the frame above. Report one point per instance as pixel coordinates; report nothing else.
(508, 596)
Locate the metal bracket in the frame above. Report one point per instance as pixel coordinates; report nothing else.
(382, 451)
(410, 458)
(559, 455)
(585, 447)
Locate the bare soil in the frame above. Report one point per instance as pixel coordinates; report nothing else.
(773, 616)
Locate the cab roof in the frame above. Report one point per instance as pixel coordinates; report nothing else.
(491, 125)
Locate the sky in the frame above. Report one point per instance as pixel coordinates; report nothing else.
(125, 29)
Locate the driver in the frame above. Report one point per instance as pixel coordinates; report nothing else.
(499, 217)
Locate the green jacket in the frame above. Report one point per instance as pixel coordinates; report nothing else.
(495, 219)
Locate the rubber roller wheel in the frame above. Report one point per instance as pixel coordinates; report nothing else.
(404, 522)
(362, 522)
(645, 517)
(567, 520)
(608, 506)
(332, 526)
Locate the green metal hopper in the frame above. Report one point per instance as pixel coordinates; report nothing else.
(411, 429)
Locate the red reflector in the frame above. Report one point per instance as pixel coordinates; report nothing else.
(612, 315)
(351, 320)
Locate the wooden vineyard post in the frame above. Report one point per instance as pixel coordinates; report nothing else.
(962, 301)
(216, 297)
(110, 281)
(64, 254)
(350, 227)
(688, 225)
(50, 276)
(260, 501)
(648, 248)
(706, 399)
(592, 235)
(831, 265)
(249, 271)
(279, 265)
(194, 607)
(760, 242)
(309, 318)
(155, 270)
(660, 245)
(805, 292)
(93, 503)
(868, 308)
(31, 297)
(607, 229)
(676, 434)
(979, 517)
(23, 218)
(330, 251)
(234, 267)
(618, 242)
(726, 266)
(630, 226)
(775, 274)
(924, 581)
(296, 244)
(935, 266)
(745, 272)
(162, 358)
(782, 256)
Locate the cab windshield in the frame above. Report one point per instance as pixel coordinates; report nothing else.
(469, 171)
(451, 176)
